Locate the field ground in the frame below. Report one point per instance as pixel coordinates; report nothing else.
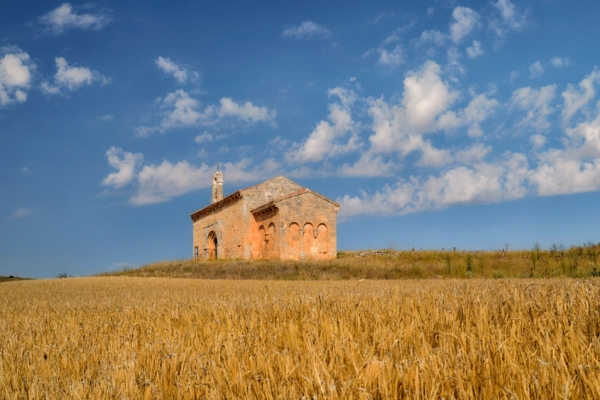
(576, 262)
(123, 337)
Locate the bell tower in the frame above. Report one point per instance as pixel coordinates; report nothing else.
(217, 186)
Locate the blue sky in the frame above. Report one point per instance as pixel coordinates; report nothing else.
(434, 124)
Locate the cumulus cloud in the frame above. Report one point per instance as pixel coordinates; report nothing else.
(478, 183)
(465, 21)
(577, 98)
(64, 18)
(478, 110)
(157, 183)
(328, 139)
(205, 137)
(536, 70)
(399, 128)
(536, 102)
(247, 112)
(125, 163)
(509, 18)
(163, 182)
(425, 96)
(16, 70)
(432, 36)
(306, 30)
(72, 78)
(469, 176)
(181, 110)
(475, 50)
(559, 62)
(392, 58)
(182, 75)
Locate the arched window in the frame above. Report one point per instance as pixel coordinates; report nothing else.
(308, 241)
(294, 240)
(271, 242)
(323, 239)
(262, 237)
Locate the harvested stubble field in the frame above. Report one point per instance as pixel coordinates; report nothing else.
(117, 337)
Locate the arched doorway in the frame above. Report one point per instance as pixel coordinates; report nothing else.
(212, 246)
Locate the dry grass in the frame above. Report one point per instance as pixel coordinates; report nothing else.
(170, 338)
(575, 262)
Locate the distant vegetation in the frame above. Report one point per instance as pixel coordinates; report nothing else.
(577, 262)
(11, 278)
(160, 338)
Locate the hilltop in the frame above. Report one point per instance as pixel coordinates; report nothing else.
(390, 264)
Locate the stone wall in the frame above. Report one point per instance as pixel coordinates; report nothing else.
(226, 223)
(294, 223)
(307, 227)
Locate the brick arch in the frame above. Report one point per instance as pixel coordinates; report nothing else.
(212, 246)
(293, 240)
(323, 240)
(308, 241)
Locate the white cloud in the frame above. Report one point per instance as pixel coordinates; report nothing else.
(179, 73)
(472, 154)
(481, 182)
(432, 36)
(574, 168)
(465, 21)
(368, 165)
(475, 50)
(16, 70)
(306, 30)
(575, 99)
(163, 182)
(21, 213)
(537, 141)
(560, 62)
(392, 58)
(478, 110)
(247, 112)
(126, 163)
(205, 137)
(159, 183)
(536, 70)
(71, 78)
(425, 96)
(399, 128)
(561, 173)
(184, 111)
(25, 171)
(326, 139)
(537, 105)
(63, 18)
(510, 19)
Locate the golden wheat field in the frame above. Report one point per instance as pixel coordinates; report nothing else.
(118, 337)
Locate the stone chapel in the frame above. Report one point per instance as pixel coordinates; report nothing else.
(276, 219)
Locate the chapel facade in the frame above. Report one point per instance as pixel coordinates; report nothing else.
(276, 219)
